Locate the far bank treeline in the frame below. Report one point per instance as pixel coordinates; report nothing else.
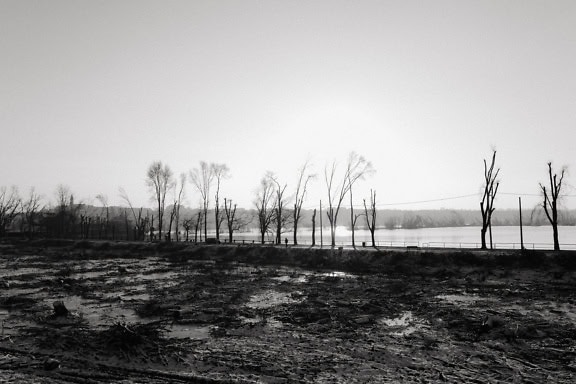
(277, 212)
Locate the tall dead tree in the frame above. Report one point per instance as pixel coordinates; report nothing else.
(550, 201)
(314, 227)
(356, 168)
(30, 209)
(230, 218)
(9, 203)
(221, 171)
(487, 203)
(353, 218)
(234, 222)
(159, 180)
(67, 213)
(280, 216)
(265, 205)
(175, 212)
(103, 199)
(202, 179)
(371, 216)
(198, 226)
(140, 223)
(303, 179)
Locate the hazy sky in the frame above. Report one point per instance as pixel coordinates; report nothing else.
(92, 92)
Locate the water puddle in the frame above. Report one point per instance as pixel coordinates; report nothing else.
(403, 325)
(270, 298)
(96, 313)
(18, 272)
(339, 274)
(463, 299)
(156, 276)
(180, 331)
(89, 275)
(21, 291)
(293, 279)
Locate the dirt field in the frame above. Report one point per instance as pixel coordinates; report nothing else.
(80, 312)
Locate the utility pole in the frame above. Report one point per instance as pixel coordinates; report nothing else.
(521, 234)
(321, 237)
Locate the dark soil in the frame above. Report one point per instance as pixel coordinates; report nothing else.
(89, 312)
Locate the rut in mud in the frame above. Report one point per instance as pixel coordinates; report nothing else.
(153, 313)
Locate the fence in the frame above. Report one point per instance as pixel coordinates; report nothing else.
(412, 244)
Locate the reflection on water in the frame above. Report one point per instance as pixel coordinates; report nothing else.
(465, 237)
(181, 331)
(404, 325)
(271, 298)
(463, 299)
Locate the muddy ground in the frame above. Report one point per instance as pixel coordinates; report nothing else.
(89, 312)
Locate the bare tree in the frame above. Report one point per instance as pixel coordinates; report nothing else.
(30, 209)
(175, 212)
(160, 180)
(265, 204)
(9, 203)
(103, 199)
(65, 215)
(280, 217)
(356, 168)
(140, 223)
(314, 227)
(550, 202)
(221, 171)
(198, 226)
(353, 217)
(233, 221)
(303, 179)
(187, 225)
(202, 179)
(487, 203)
(371, 215)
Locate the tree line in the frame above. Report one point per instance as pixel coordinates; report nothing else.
(277, 209)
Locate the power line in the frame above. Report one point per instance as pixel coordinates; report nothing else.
(429, 201)
(441, 199)
(415, 202)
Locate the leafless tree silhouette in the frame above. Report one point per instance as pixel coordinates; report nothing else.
(280, 217)
(371, 215)
(265, 204)
(9, 203)
(202, 179)
(233, 221)
(304, 178)
(160, 181)
(487, 203)
(356, 168)
(177, 204)
(550, 201)
(30, 209)
(221, 172)
(140, 223)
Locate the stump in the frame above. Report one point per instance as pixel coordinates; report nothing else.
(60, 309)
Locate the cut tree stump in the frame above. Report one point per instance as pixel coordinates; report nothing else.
(60, 309)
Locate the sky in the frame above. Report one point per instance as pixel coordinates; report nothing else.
(93, 92)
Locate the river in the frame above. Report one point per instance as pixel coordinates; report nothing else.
(452, 237)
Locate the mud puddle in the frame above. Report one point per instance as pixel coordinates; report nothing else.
(175, 318)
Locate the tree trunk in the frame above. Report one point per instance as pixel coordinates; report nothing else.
(556, 239)
(205, 224)
(314, 228)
